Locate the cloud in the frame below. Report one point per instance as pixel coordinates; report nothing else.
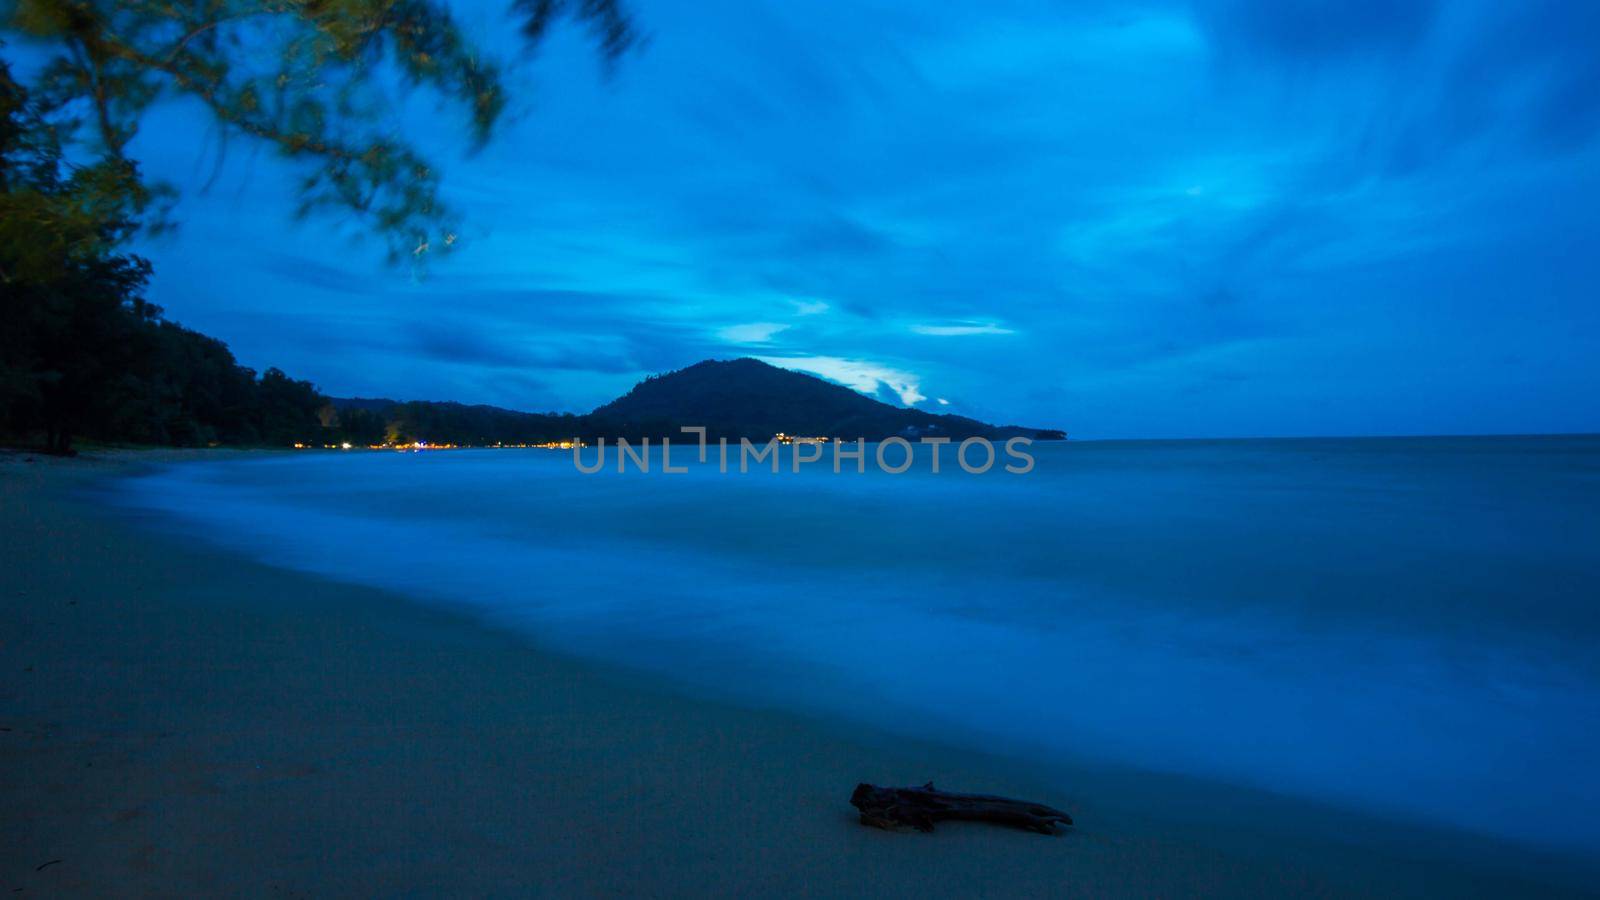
(456, 343)
(867, 377)
(1422, 80)
(304, 270)
(751, 332)
(960, 330)
(1118, 204)
(1317, 29)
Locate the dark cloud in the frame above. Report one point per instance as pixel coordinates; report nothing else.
(450, 342)
(1315, 30)
(1519, 77)
(1535, 65)
(301, 269)
(836, 237)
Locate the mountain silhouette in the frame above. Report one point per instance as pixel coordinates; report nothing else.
(749, 398)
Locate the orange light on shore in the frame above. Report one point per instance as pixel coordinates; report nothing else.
(414, 446)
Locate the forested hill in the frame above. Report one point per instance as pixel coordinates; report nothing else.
(751, 399)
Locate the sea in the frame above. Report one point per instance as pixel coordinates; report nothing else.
(1408, 627)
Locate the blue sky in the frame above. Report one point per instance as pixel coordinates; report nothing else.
(1123, 219)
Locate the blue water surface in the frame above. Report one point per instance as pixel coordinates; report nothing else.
(1403, 626)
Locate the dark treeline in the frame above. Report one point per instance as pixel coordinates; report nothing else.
(85, 358)
(387, 421)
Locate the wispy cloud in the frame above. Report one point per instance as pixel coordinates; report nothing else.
(960, 330)
(867, 377)
(751, 332)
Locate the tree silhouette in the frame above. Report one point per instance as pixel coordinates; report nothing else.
(299, 75)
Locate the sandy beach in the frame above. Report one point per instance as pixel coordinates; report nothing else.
(175, 721)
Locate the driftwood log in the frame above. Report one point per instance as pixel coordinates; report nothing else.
(920, 807)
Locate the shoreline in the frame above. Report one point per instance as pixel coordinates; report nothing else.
(186, 721)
